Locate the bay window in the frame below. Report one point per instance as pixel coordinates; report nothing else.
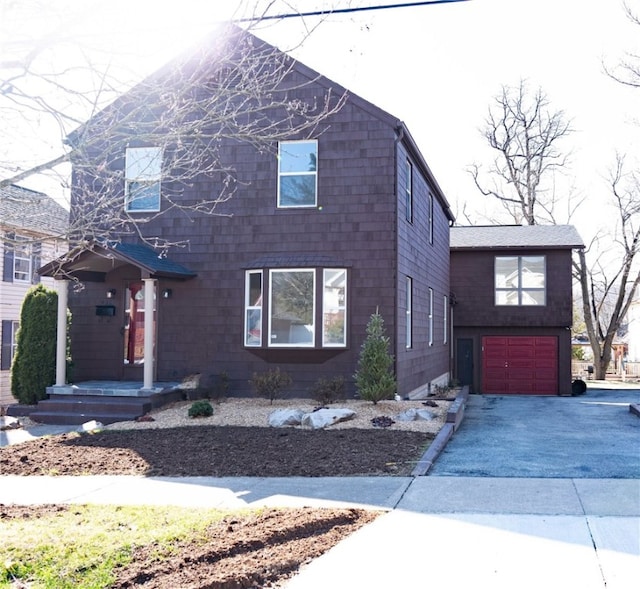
(294, 306)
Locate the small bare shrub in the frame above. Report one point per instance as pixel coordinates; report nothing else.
(270, 384)
(326, 391)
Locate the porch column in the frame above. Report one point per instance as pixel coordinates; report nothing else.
(149, 336)
(61, 336)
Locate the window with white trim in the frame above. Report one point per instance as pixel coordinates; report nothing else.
(253, 309)
(334, 309)
(409, 192)
(297, 174)
(409, 311)
(445, 318)
(22, 257)
(290, 307)
(430, 214)
(430, 316)
(520, 280)
(143, 174)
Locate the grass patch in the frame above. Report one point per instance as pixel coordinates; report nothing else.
(81, 546)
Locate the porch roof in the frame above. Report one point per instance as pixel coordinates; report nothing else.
(94, 262)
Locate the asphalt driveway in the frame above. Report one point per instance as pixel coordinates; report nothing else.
(590, 436)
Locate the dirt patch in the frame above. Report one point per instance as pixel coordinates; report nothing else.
(219, 452)
(260, 550)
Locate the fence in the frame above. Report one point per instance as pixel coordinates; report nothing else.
(631, 370)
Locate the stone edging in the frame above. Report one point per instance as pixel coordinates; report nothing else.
(455, 415)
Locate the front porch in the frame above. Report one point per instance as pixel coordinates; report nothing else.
(103, 401)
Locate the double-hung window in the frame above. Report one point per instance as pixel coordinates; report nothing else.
(297, 174)
(253, 309)
(408, 342)
(408, 191)
(430, 316)
(520, 280)
(143, 173)
(22, 267)
(334, 309)
(9, 343)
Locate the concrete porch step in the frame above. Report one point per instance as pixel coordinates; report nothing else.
(77, 409)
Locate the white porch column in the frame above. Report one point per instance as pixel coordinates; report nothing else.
(149, 335)
(61, 337)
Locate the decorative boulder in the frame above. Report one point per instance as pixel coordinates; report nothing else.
(415, 415)
(284, 417)
(325, 417)
(91, 426)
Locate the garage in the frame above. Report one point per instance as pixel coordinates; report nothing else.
(520, 365)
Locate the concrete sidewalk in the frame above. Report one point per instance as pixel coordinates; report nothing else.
(436, 532)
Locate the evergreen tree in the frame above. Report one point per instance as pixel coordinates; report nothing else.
(34, 364)
(374, 378)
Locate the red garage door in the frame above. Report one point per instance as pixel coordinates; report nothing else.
(524, 365)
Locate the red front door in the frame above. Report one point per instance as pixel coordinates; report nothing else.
(520, 365)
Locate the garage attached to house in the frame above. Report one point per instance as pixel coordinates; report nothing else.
(520, 365)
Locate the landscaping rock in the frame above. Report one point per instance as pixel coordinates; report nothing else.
(416, 414)
(7, 422)
(326, 417)
(285, 417)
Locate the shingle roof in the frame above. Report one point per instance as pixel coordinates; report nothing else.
(515, 236)
(149, 259)
(21, 208)
(101, 259)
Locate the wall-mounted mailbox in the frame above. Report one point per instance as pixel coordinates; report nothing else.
(105, 310)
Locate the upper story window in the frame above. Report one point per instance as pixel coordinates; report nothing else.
(520, 280)
(143, 172)
(22, 258)
(297, 174)
(409, 192)
(430, 219)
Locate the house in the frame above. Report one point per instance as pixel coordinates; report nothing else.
(322, 230)
(512, 314)
(33, 228)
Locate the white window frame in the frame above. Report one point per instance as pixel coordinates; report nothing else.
(431, 317)
(284, 174)
(520, 290)
(270, 335)
(409, 313)
(143, 165)
(409, 192)
(22, 252)
(331, 308)
(445, 318)
(430, 214)
(253, 309)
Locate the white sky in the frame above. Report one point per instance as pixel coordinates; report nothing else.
(436, 67)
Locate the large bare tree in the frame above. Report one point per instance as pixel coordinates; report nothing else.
(609, 283)
(231, 87)
(526, 133)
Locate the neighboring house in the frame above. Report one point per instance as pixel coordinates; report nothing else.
(321, 232)
(512, 317)
(33, 226)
